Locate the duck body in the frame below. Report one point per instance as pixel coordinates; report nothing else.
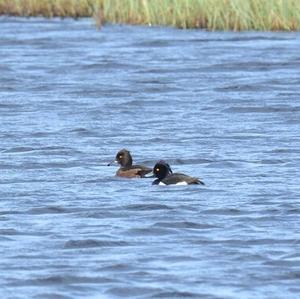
(127, 170)
(134, 171)
(165, 176)
(178, 179)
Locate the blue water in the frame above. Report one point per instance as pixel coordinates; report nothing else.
(223, 107)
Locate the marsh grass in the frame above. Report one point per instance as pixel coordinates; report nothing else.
(209, 14)
(50, 8)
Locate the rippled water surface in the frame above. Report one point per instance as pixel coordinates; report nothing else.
(220, 106)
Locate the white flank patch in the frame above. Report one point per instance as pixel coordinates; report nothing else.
(178, 184)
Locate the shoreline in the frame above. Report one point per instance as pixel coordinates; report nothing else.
(220, 15)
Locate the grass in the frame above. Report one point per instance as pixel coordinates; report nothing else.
(209, 14)
(50, 8)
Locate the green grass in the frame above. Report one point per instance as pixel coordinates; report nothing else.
(210, 14)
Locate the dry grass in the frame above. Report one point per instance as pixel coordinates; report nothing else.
(210, 14)
(50, 8)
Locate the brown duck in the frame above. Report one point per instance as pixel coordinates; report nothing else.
(128, 170)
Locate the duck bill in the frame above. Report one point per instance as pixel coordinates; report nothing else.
(114, 162)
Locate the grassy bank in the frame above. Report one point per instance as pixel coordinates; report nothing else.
(209, 14)
(50, 8)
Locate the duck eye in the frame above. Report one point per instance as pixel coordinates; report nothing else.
(121, 156)
(157, 169)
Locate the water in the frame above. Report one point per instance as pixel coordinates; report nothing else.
(220, 106)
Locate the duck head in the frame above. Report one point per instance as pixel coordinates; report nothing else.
(123, 158)
(162, 169)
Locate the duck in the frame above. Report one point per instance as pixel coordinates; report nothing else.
(127, 170)
(165, 176)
